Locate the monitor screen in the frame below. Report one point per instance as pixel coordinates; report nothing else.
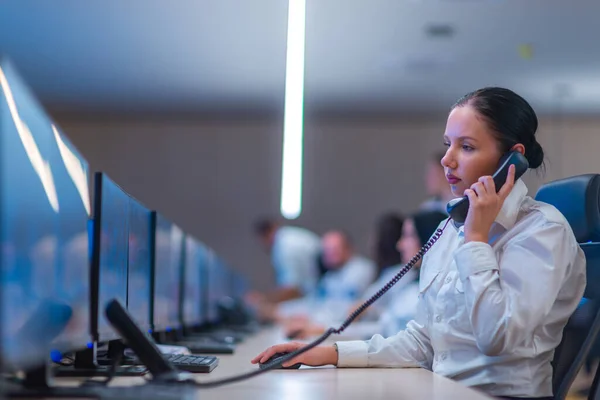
(73, 268)
(138, 284)
(167, 270)
(218, 286)
(111, 220)
(43, 236)
(239, 285)
(193, 271)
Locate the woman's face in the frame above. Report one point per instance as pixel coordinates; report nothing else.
(472, 149)
(409, 244)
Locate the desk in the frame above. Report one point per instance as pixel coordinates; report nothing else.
(321, 383)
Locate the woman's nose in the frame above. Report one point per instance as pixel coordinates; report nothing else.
(448, 160)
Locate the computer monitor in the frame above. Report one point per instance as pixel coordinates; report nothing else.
(239, 285)
(109, 253)
(168, 251)
(74, 253)
(140, 267)
(44, 209)
(194, 271)
(218, 286)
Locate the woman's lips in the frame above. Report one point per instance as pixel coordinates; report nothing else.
(453, 180)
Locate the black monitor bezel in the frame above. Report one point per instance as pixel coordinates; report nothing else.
(176, 324)
(201, 319)
(95, 264)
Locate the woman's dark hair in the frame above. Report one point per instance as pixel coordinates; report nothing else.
(510, 117)
(426, 222)
(388, 232)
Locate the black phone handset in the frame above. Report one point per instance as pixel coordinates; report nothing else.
(457, 209)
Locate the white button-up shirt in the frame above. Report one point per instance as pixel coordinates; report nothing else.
(349, 282)
(295, 256)
(490, 314)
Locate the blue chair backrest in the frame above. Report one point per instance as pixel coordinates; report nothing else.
(578, 199)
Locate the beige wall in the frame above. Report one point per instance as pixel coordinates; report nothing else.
(215, 176)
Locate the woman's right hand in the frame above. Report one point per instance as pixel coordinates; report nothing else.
(320, 355)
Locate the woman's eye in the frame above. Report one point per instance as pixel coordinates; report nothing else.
(467, 148)
(446, 144)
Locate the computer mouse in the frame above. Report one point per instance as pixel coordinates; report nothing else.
(276, 357)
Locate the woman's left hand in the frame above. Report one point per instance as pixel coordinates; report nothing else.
(484, 206)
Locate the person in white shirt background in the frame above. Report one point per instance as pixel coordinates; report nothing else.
(348, 273)
(294, 255)
(496, 292)
(398, 306)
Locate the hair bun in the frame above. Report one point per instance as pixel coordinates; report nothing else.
(534, 155)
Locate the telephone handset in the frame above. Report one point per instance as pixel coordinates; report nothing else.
(457, 209)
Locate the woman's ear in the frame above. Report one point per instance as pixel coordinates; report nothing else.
(518, 147)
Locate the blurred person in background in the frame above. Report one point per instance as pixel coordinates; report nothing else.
(348, 273)
(388, 230)
(347, 276)
(390, 313)
(294, 255)
(438, 188)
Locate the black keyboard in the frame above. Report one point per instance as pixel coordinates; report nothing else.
(192, 363)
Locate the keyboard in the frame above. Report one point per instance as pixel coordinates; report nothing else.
(101, 370)
(208, 347)
(192, 363)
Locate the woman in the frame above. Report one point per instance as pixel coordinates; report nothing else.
(392, 311)
(495, 293)
(388, 230)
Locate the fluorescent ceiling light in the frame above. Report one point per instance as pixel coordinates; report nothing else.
(291, 176)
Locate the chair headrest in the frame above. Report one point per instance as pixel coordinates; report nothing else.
(578, 199)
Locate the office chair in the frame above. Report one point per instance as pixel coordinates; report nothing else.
(577, 198)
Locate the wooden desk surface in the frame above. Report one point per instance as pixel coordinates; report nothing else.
(321, 383)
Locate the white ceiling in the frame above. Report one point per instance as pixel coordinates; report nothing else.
(229, 55)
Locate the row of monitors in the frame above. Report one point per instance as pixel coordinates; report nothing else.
(60, 261)
(167, 279)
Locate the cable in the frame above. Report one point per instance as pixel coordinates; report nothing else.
(331, 331)
(113, 368)
(115, 362)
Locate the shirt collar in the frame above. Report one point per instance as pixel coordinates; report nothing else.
(507, 217)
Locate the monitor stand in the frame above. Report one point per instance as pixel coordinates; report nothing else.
(86, 365)
(163, 372)
(167, 382)
(38, 382)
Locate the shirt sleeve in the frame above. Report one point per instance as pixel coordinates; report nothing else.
(408, 348)
(507, 300)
